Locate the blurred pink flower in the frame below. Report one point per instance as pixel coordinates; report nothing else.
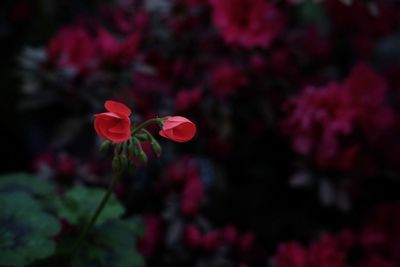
(226, 78)
(72, 49)
(291, 254)
(211, 241)
(230, 234)
(326, 252)
(149, 242)
(247, 23)
(186, 99)
(192, 236)
(376, 261)
(117, 52)
(245, 243)
(192, 195)
(320, 118)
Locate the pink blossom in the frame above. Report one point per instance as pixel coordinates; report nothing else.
(72, 49)
(149, 242)
(117, 52)
(226, 79)
(291, 254)
(191, 196)
(247, 23)
(186, 99)
(321, 118)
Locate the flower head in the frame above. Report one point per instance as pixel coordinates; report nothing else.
(178, 129)
(115, 124)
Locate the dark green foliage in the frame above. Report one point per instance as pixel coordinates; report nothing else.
(111, 245)
(78, 205)
(25, 230)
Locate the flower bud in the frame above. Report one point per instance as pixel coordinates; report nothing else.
(105, 146)
(156, 147)
(140, 153)
(142, 156)
(123, 162)
(116, 163)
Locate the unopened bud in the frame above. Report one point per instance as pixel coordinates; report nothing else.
(142, 156)
(105, 146)
(156, 147)
(116, 163)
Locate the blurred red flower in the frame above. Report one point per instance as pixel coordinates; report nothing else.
(72, 49)
(320, 118)
(191, 196)
(226, 78)
(291, 254)
(248, 23)
(117, 52)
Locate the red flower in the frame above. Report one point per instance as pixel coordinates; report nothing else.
(178, 129)
(248, 23)
(115, 124)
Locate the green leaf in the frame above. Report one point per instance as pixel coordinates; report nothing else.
(22, 182)
(110, 245)
(79, 204)
(136, 225)
(25, 230)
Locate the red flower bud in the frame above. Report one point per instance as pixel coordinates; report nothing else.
(178, 129)
(114, 125)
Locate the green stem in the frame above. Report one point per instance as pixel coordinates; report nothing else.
(146, 123)
(93, 220)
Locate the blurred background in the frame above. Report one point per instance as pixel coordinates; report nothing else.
(296, 159)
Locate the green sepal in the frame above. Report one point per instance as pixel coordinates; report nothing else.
(105, 146)
(140, 153)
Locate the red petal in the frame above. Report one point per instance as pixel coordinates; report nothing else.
(118, 108)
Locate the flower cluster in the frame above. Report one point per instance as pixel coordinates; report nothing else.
(331, 123)
(375, 244)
